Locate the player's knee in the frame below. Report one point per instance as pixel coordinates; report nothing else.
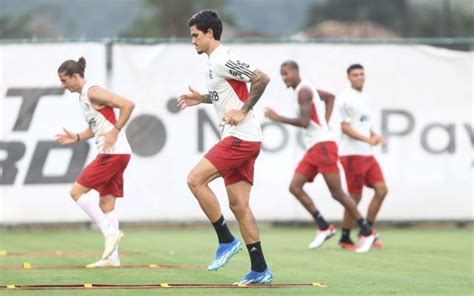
(238, 208)
(295, 189)
(106, 206)
(337, 193)
(357, 198)
(75, 194)
(193, 181)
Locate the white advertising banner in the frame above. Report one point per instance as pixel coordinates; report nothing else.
(422, 100)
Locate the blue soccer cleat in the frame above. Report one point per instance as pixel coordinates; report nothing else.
(224, 253)
(254, 277)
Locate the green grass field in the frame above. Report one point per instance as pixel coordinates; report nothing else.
(413, 262)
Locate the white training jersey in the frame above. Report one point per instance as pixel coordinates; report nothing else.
(355, 109)
(317, 130)
(226, 79)
(101, 121)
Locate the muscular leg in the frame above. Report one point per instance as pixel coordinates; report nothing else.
(333, 181)
(77, 191)
(379, 196)
(198, 179)
(347, 218)
(239, 195)
(107, 203)
(296, 188)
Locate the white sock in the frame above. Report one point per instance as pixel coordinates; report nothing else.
(91, 207)
(113, 220)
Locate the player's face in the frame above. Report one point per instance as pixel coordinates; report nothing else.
(357, 78)
(288, 75)
(70, 83)
(199, 39)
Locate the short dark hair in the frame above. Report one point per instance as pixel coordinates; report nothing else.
(207, 19)
(353, 67)
(70, 67)
(290, 63)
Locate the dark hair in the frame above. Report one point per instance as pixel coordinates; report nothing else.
(290, 63)
(353, 67)
(71, 67)
(207, 19)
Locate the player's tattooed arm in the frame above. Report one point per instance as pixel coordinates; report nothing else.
(259, 82)
(206, 99)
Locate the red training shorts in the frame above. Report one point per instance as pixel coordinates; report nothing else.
(321, 158)
(234, 159)
(361, 170)
(105, 174)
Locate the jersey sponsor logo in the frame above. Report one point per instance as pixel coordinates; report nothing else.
(364, 118)
(214, 95)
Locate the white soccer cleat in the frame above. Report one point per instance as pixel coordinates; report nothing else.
(366, 242)
(111, 243)
(104, 263)
(322, 236)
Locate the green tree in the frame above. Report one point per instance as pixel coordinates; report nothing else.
(409, 19)
(35, 22)
(167, 18)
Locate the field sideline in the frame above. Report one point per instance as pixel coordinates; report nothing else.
(414, 262)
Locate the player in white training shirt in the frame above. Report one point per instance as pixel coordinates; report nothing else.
(357, 155)
(321, 155)
(105, 173)
(234, 156)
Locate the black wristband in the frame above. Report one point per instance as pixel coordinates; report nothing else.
(78, 138)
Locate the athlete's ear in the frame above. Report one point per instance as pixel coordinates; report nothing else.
(209, 31)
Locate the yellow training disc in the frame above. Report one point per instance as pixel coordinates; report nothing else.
(153, 266)
(26, 265)
(11, 287)
(164, 285)
(87, 285)
(3, 253)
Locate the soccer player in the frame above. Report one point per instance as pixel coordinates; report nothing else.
(321, 157)
(233, 157)
(357, 153)
(105, 173)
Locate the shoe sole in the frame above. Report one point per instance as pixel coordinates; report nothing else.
(265, 280)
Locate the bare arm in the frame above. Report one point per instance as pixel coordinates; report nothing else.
(104, 97)
(305, 100)
(206, 99)
(328, 99)
(193, 98)
(86, 134)
(259, 82)
(351, 132)
(70, 138)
